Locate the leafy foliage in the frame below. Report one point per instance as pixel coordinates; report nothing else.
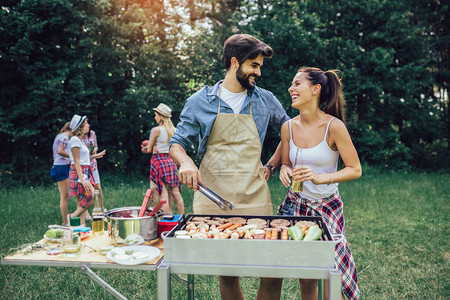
(115, 60)
(383, 52)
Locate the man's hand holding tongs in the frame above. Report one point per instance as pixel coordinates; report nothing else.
(189, 174)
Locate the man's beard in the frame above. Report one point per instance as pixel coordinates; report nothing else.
(242, 78)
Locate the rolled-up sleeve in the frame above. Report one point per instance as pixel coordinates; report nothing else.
(188, 128)
(279, 115)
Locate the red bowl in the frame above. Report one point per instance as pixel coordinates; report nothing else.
(167, 225)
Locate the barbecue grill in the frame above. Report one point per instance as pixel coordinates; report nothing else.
(259, 252)
(250, 257)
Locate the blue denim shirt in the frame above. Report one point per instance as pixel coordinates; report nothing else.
(200, 111)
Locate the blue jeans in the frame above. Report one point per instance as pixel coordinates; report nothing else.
(286, 209)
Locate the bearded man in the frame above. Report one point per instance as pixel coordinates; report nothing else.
(230, 120)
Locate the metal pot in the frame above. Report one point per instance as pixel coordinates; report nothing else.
(125, 221)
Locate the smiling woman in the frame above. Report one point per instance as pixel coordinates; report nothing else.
(80, 176)
(311, 145)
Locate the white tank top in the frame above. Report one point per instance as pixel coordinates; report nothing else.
(320, 158)
(162, 142)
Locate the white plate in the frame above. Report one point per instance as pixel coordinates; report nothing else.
(151, 251)
(51, 239)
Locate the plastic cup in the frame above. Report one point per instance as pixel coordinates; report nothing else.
(70, 243)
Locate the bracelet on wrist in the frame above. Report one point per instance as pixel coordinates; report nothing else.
(331, 178)
(271, 168)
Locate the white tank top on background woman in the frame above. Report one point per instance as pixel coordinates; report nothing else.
(320, 158)
(162, 142)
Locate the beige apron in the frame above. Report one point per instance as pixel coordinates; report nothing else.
(232, 168)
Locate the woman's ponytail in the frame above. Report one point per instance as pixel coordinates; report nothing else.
(335, 104)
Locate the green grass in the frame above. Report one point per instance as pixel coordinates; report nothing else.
(397, 225)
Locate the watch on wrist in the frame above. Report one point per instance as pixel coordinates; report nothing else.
(271, 168)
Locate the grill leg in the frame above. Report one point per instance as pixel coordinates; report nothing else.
(321, 287)
(334, 285)
(163, 282)
(191, 287)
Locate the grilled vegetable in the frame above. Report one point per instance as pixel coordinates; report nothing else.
(295, 233)
(222, 236)
(284, 234)
(235, 236)
(314, 233)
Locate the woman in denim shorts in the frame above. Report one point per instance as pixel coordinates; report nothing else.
(60, 169)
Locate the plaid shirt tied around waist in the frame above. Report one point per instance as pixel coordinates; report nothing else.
(76, 188)
(331, 210)
(163, 170)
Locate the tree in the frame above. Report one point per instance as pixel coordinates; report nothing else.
(112, 61)
(44, 52)
(115, 60)
(380, 48)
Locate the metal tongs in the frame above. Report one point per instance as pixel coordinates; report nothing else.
(222, 203)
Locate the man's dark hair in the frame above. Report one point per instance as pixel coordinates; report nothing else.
(243, 47)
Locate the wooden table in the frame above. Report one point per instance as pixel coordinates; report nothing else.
(89, 257)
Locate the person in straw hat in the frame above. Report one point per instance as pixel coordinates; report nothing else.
(81, 182)
(163, 170)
